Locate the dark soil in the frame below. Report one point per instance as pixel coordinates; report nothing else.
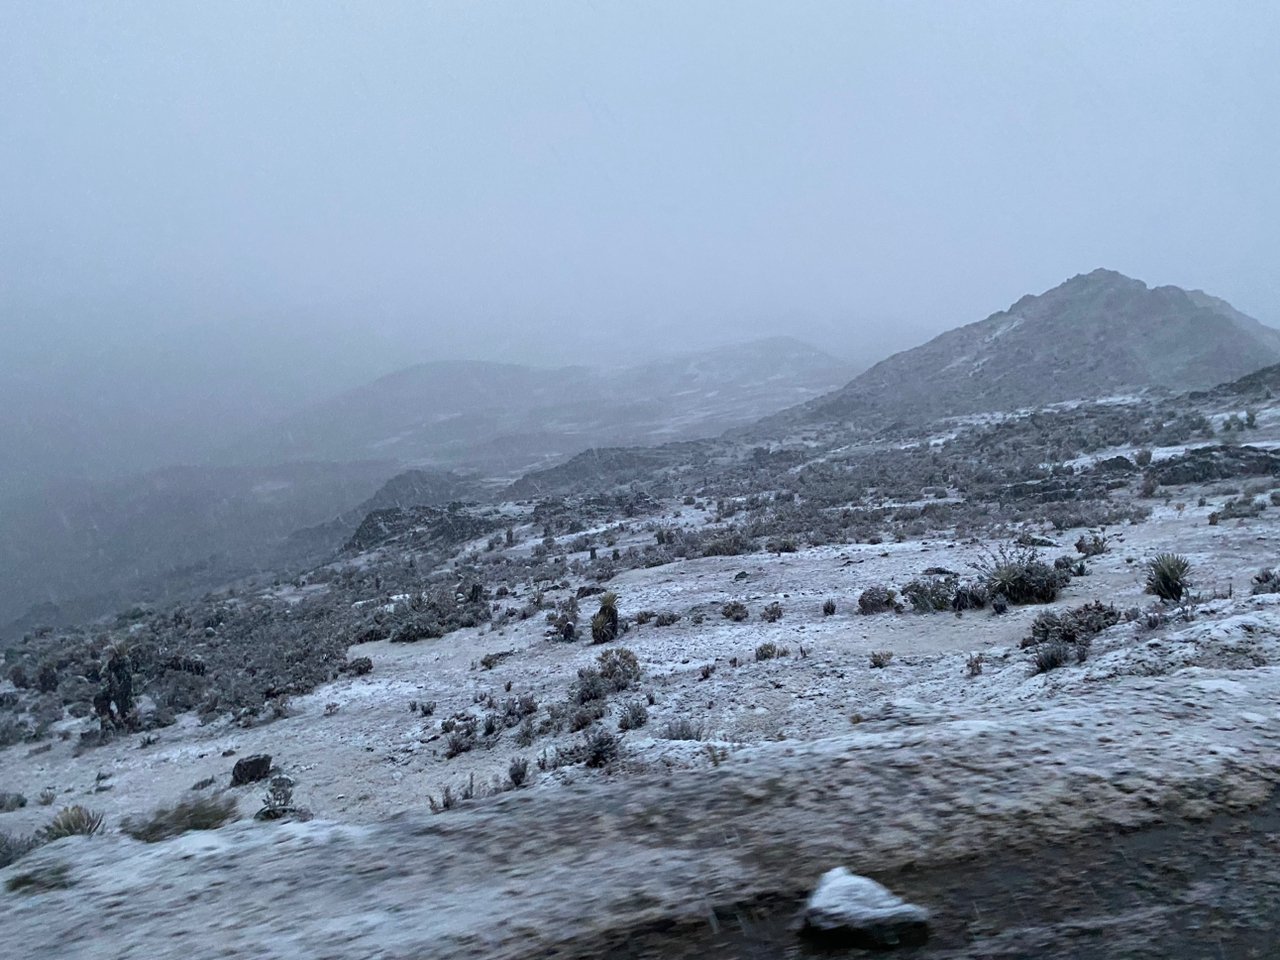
(1181, 891)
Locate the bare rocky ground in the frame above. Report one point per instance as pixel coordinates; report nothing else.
(808, 761)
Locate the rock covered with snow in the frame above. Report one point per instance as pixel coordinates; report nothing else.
(850, 910)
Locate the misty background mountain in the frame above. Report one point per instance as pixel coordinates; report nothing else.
(291, 492)
(289, 495)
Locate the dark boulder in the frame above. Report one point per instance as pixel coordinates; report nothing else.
(251, 769)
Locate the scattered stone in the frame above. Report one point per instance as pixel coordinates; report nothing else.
(251, 769)
(847, 910)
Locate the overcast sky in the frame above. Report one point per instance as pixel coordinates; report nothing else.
(250, 202)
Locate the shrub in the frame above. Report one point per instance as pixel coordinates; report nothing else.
(1266, 581)
(878, 599)
(933, 594)
(1168, 576)
(1050, 656)
(277, 803)
(12, 847)
(828, 608)
(1074, 628)
(11, 801)
(969, 596)
(634, 716)
(735, 611)
(772, 613)
(590, 685)
(666, 619)
(72, 821)
(203, 813)
(619, 668)
(1092, 544)
(1020, 575)
(770, 650)
(518, 772)
(585, 715)
(601, 749)
(881, 659)
(358, 667)
(973, 666)
(461, 740)
(683, 729)
(604, 625)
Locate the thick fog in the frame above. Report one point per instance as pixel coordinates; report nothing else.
(213, 213)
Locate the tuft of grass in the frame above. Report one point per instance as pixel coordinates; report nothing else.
(735, 611)
(772, 613)
(71, 822)
(201, 813)
(52, 877)
(770, 651)
(881, 659)
(683, 729)
(1168, 576)
(828, 608)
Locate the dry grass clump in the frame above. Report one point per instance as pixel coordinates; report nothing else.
(200, 813)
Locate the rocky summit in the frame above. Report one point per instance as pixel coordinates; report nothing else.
(1096, 335)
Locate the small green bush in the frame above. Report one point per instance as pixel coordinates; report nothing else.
(770, 651)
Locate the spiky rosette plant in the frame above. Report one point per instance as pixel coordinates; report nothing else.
(1169, 576)
(604, 625)
(72, 821)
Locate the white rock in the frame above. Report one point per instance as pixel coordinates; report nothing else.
(846, 908)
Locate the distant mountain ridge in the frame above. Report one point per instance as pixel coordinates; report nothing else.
(1095, 335)
(505, 417)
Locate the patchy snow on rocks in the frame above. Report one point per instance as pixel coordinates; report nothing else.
(846, 909)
